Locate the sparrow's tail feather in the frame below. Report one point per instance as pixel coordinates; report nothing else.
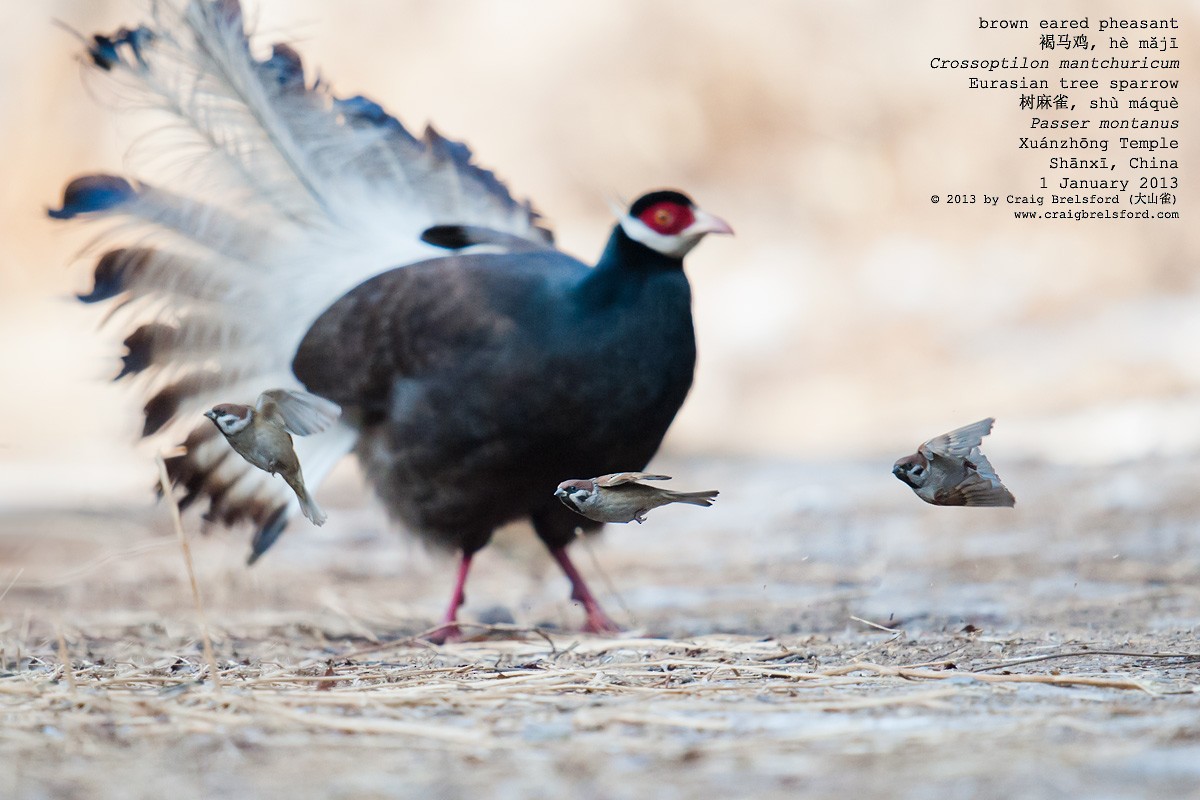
(308, 506)
(262, 199)
(695, 498)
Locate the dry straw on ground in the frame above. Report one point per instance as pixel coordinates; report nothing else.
(860, 650)
(433, 694)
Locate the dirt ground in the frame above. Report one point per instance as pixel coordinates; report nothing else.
(819, 632)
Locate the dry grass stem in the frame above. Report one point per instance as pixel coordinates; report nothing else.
(65, 658)
(1085, 654)
(209, 656)
(875, 625)
(11, 583)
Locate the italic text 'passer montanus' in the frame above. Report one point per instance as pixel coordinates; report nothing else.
(950, 471)
(620, 498)
(262, 435)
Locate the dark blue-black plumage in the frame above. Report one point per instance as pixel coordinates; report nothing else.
(478, 381)
(481, 381)
(93, 193)
(492, 377)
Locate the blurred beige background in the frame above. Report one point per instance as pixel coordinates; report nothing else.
(850, 318)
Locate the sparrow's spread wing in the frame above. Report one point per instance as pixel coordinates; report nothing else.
(975, 492)
(981, 487)
(300, 413)
(618, 478)
(980, 463)
(960, 442)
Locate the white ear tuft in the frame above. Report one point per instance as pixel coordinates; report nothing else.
(617, 205)
(674, 246)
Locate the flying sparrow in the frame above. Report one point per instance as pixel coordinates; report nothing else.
(619, 498)
(262, 435)
(950, 471)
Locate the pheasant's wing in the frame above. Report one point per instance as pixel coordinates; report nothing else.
(262, 199)
(300, 413)
(618, 478)
(960, 442)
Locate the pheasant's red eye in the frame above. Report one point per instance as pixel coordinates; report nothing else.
(667, 218)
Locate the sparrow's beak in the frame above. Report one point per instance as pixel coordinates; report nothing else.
(211, 415)
(707, 223)
(560, 493)
(897, 470)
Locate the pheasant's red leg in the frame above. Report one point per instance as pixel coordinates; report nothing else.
(449, 631)
(597, 620)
